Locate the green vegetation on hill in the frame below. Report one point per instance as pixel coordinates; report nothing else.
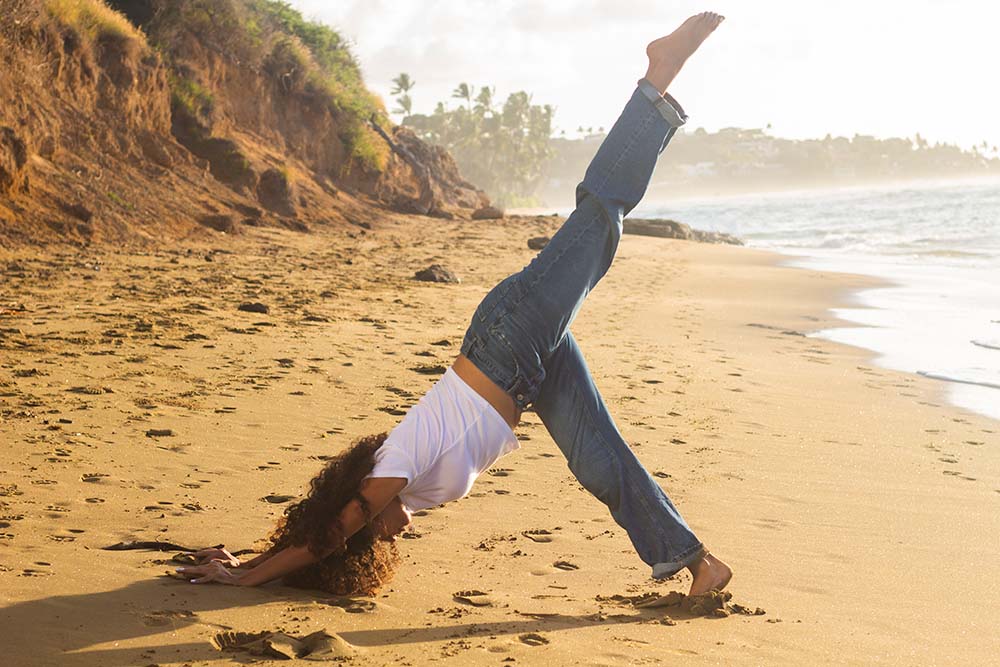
(306, 58)
(191, 96)
(92, 19)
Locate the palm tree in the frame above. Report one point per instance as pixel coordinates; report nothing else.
(463, 91)
(405, 105)
(484, 101)
(403, 84)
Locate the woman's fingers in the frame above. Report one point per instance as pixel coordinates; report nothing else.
(203, 556)
(200, 574)
(205, 552)
(194, 570)
(212, 571)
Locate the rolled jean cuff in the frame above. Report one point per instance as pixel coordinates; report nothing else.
(664, 570)
(665, 104)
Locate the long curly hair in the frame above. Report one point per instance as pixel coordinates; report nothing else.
(365, 563)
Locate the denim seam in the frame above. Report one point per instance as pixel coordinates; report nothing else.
(590, 417)
(650, 116)
(661, 537)
(568, 246)
(502, 339)
(485, 319)
(485, 363)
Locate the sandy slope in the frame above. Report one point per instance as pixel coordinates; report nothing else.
(858, 510)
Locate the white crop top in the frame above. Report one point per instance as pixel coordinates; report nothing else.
(450, 437)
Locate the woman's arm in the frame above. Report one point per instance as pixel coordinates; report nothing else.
(378, 491)
(256, 560)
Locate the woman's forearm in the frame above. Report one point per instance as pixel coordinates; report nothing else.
(278, 565)
(255, 561)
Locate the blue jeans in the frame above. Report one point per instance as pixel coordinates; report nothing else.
(519, 335)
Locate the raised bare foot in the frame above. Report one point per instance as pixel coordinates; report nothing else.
(668, 54)
(709, 572)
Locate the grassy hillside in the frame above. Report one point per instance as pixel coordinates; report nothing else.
(93, 20)
(159, 119)
(308, 60)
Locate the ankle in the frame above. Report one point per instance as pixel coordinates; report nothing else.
(661, 74)
(698, 563)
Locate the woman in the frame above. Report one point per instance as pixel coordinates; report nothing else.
(518, 351)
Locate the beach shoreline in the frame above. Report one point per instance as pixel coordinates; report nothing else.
(836, 489)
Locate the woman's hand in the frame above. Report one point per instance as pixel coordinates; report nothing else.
(213, 570)
(218, 555)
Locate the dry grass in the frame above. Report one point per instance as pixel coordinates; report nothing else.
(93, 19)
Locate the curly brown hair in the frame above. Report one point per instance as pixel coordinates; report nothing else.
(365, 563)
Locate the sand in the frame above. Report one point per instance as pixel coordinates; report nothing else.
(860, 512)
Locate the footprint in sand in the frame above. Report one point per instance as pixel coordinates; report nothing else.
(92, 477)
(354, 606)
(565, 565)
(429, 369)
(317, 646)
(166, 617)
(473, 597)
(539, 535)
(277, 499)
(533, 639)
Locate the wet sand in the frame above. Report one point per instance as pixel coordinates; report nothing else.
(859, 511)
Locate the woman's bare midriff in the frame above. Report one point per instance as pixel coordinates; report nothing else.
(485, 387)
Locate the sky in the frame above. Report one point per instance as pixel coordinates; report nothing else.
(881, 67)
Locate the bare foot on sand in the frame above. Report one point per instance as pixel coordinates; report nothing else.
(668, 54)
(709, 573)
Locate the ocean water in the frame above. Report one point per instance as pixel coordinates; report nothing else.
(938, 245)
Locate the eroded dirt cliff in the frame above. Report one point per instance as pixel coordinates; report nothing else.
(151, 125)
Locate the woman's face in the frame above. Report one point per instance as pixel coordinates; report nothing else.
(391, 521)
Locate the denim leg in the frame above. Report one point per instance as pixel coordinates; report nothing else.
(619, 173)
(523, 319)
(573, 411)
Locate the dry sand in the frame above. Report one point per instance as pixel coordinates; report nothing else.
(858, 510)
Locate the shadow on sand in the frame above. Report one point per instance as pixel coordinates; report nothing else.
(74, 630)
